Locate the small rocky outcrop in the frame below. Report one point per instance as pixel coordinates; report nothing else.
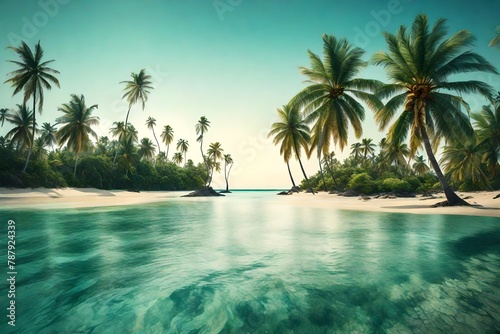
(204, 192)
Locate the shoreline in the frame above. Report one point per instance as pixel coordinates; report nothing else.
(483, 203)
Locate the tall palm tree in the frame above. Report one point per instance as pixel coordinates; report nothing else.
(146, 149)
(228, 160)
(167, 136)
(419, 63)
(495, 42)
(3, 114)
(183, 146)
(367, 147)
(419, 166)
(77, 123)
(49, 134)
(32, 77)
(332, 97)
(293, 135)
(177, 158)
(22, 133)
(214, 152)
(151, 122)
(487, 125)
(201, 127)
(136, 90)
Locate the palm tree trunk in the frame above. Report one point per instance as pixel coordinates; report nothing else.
(205, 162)
(116, 152)
(331, 174)
(76, 162)
(227, 177)
(32, 132)
(212, 174)
(157, 142)
(451, 196)
(304, 172)
(166, 155)
(126, 118)
(321, 172)
(290, 173)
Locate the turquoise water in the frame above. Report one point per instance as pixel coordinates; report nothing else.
(251, 263)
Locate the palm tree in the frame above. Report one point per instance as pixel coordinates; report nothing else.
(419, 63)
(167, 137)
(487, 125)
(119, 131)
(136, 90)
(367, 147)
(293, 134)
(228, 160)
(397, 154)
(329, 160)
(331, 99)
(22, 133)
(49, 134)
(419, 166)
(146, 149)
(3, 114)
(214, 152)
(202, 127)
(356, 150)
(128, 155)
(77, 124)
(151, 122)
(462, 160)
(495, 42)
(32, 77)
(39, 151)
(102, 146)
(183, 146)
(177, 158)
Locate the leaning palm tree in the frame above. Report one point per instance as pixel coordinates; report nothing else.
(146, 150)
(214, 152)
(3, 115)
(136, 90)
(419, 166)
(151, 122)
(32, 77)
(49, 134)
(177, 158)
(293, 135)
(22, 133)
(77, 123)
(228, 160)
(202, 127)
(183, 146)
(487, 125)
(420, 63)
(332, 98)
(167, 136)
(495, 42)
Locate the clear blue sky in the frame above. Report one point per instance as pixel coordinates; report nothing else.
(233, 61)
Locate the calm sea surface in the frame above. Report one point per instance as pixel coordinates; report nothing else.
(250, 263)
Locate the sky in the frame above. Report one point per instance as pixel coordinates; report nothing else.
(232, 61)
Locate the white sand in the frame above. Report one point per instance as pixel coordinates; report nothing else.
(41, 198)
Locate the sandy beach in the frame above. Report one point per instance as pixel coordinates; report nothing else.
(484, 203)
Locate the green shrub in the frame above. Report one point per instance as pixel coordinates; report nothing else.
(393, 184)
(362, 183)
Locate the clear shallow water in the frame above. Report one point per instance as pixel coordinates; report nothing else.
(251, 263)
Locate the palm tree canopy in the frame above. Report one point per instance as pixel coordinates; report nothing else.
(332, 97)
(21, 134)
(367, 146)
(3, 115)
(77, 124)
(228, 159)
(151, 122)
(495, 42)
(177, 158)
(138, 88)
(33, 75)
(215, 151)
(290, 131)
(49, 134)
(487, 125)
(201, 127)
(147, 149)
(182, 145)
(167, 134)
(420, 62)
